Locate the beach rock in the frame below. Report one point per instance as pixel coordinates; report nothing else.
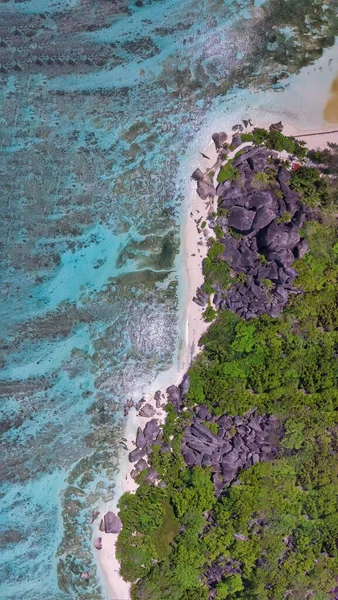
(101, 528)
(199, 302)
(147, 411)
(95, 514)
(174, 396)
(240, 218)
(151, 430)
(112, 523)
(219, 139)
(141, 465)
(198, 175)
(98, 543)
(276, 126)
(136, 454)
(205, 190)
(184, 385)
(140, 438)
(236, 140)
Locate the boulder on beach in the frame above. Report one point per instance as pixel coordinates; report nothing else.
(112, 523)
(147, 411)
(95, 514)
(219, 139)
(198, 175)
(98, 543)
(205, 190)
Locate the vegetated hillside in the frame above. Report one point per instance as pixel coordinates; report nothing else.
(271, 531)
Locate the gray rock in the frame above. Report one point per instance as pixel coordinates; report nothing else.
(151, 429)
(200, 447)
(136, 454)
(174, 395)
(219, 139)
(205, 190)
(240, 218)
(203, 412)
(165, 447)
(217, 299)
(98, 543)
(263, 217)
(236, 140)
(140, 438)
(141, 465)
(198, 175)
(201, 430)
(112, 523)
(189, 457)
(147, 411)
(199, 302)
(184, 385)
(246, 154)
(276, 126)
(283, 257)
(259, 199)
(301, 249)
(95, 514)
(151, 476)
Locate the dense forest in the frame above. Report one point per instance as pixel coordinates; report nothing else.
(273, 532)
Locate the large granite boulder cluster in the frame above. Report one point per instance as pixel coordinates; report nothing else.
(239, 443)
(265, 217)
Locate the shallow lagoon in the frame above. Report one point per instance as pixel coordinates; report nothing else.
(104, 108)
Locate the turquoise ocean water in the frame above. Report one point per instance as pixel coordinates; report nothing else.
(101, 104)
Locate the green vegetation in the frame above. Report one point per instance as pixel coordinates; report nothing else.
(218, 232)
(279, 142)
(262, 180)
(286, 509)
(312, 188)
(203, 224)
(247, 137)
(215, 270)
(227, 172)
(209, 314)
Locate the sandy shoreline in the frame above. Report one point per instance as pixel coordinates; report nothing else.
(116, 588)
(194, 250)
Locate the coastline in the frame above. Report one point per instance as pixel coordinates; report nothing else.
(116, 588)
(194, 250)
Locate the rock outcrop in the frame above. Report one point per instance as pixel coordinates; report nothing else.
(147, 411)
(261, 235)
(111, 523)
(239, 443)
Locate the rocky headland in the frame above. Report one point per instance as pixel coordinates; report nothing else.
(266, 187)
